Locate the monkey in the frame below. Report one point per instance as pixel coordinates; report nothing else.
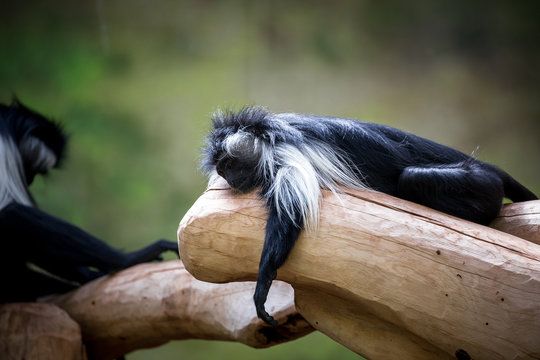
(42, 254)
(290, 157)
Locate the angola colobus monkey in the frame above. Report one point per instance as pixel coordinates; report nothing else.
(30, 144)
(290, 157)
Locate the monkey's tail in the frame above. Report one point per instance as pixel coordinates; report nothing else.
(513, 190)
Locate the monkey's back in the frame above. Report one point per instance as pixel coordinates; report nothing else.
(378, 152)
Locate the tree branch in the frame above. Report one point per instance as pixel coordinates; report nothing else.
(33, 331)
(385, 277)
(150, 304)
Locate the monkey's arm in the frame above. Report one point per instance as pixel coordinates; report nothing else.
(281, 234)
(63, 248)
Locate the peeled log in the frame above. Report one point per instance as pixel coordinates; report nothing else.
(33, 331)
(520, 219)
(150, 304)
(385, 277)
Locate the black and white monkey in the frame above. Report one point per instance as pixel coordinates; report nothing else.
(290, 157)
(30, 144)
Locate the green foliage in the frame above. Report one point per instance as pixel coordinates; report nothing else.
(312, 347)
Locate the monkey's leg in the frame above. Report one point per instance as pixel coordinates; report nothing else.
(64, 248)
(281, 234)
(24, 284)
(467, 190)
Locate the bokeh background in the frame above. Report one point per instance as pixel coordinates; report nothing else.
(134, 83)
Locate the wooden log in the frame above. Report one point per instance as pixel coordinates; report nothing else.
(31, 331)
(150, 304)
(385, 277)
(520, 219)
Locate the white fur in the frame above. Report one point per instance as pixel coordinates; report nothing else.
(240, 144)
(43, 157)
(12, 183)
(296, 172)
(301, 172)
(301, 175)
(332, 168)
(266, 159)
(295, 186)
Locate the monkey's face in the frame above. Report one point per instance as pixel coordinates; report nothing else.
(235, 154)
(240, 174)
(40, 141)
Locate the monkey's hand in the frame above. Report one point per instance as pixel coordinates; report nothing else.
(151, 252)
(167, 245)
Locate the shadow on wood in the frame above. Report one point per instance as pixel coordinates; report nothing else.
(385, 277)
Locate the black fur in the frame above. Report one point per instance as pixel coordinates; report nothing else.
(378, 157)
(30, 144)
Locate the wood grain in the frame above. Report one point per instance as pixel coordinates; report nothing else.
(520, 219)
(150, 304)
(33, 331)
(385, 277)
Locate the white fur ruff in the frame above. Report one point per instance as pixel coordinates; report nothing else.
(297, 173)
(12, 182)
(301, 175)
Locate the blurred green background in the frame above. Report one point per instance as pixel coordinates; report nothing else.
(134, 83)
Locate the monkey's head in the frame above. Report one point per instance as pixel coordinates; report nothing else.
(239, 148)
(40, 142)
(235, 157)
